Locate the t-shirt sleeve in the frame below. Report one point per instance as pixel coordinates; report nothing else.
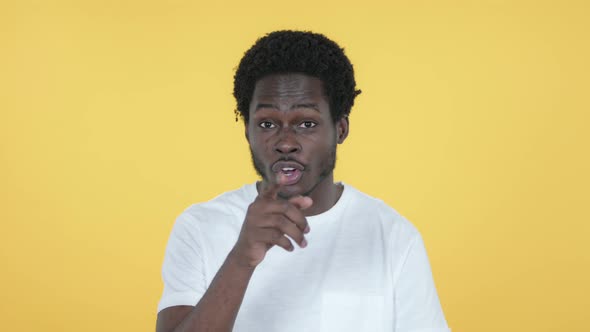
(417, 304)
(183, 270)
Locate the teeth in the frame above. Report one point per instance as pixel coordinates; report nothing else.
(288, 169)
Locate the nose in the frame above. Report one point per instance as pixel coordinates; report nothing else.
(287, 143)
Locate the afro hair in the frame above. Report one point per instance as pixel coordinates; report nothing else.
(303, 52)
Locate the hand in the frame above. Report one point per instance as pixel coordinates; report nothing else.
(268, 221)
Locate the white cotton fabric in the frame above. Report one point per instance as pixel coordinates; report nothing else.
(365, 269)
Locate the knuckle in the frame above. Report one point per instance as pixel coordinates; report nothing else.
(276, 236)
(284, 222)
(252, 208)
(278, 222)
(285, 206)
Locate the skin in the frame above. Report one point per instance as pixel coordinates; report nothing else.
(289, 119)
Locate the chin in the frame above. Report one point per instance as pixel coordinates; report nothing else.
(291, 191)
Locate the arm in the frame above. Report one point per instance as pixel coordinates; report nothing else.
(217, 309)
(268, 221)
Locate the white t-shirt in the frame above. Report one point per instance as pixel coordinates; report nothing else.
(365, 269)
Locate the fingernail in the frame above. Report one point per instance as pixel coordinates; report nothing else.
(304, 243)
(307, 229)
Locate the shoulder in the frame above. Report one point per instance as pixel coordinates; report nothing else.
(225, 209)
(373, 208)
(377, 213)
(231, 202)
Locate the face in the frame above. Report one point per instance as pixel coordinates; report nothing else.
(291, 131)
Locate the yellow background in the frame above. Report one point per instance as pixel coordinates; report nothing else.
(117, 115)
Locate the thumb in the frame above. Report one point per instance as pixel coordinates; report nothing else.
(301, 202)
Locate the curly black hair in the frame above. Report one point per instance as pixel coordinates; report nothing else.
(289, 51)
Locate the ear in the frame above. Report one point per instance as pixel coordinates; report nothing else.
(342, 126)
(246, 132)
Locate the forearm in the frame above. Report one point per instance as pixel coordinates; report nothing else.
(219, 306)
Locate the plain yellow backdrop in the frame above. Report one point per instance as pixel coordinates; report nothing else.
(117, 115)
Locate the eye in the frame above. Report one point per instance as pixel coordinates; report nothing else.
(266, 125)
(307, 124)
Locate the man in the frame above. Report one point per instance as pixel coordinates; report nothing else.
(296, 251)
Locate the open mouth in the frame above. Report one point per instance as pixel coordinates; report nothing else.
(292, 175)
(292, 171)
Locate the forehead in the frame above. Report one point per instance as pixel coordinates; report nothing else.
(288, 86)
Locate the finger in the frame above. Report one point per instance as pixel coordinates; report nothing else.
(296, 216)
(284, 243)
(289, 211)
(287, 227)
(301, 202)
(272, 189)
(276, 237)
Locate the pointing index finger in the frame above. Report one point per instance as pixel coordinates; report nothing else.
(272, 189)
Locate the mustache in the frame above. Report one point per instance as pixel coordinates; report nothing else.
(288, 159)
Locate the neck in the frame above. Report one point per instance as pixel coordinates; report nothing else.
(324, 196)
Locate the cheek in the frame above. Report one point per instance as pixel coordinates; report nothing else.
(322, 150)
(263, 149)
(324, 142)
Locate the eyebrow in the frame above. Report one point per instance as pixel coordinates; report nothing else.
(308, 105)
